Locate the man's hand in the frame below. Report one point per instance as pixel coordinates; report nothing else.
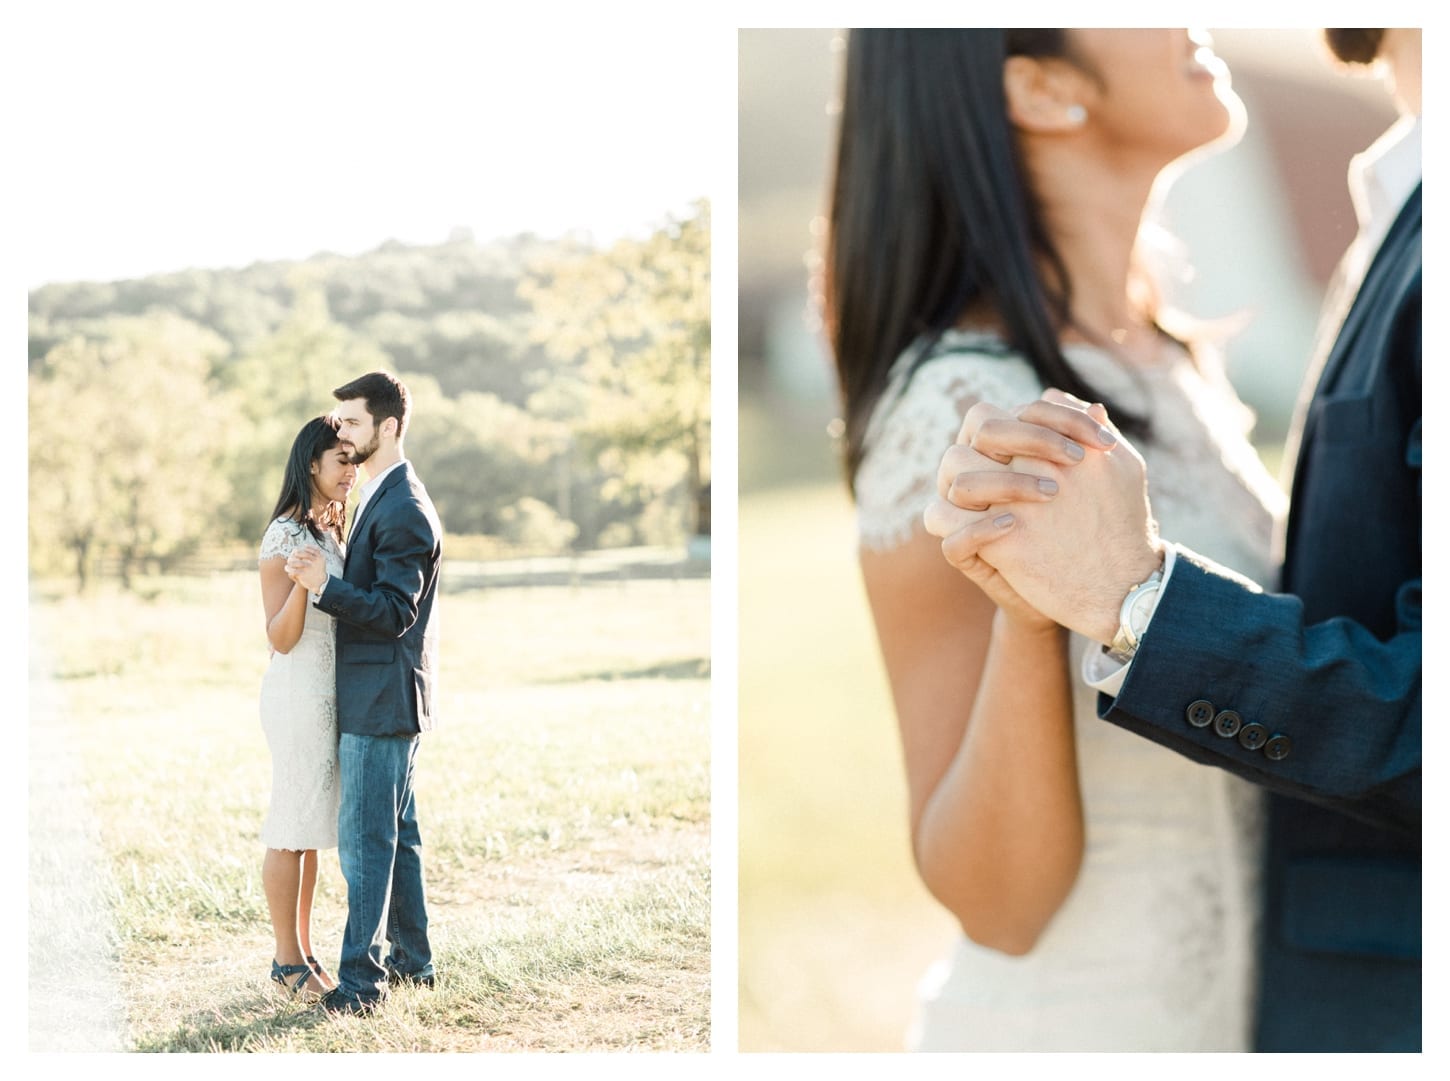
(1072, 554)
(306, 567)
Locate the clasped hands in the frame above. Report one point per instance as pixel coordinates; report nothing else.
(306, 567)
(1046, 509)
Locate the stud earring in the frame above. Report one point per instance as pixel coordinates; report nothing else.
(1076, 115)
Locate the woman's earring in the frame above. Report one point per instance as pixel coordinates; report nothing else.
(1076, 115)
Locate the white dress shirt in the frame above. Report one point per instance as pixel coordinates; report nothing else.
(1381, 178)
(366, 491)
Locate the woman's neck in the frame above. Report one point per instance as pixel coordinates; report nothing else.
(1093, 210)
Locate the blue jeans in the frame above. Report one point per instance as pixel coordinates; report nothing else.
(381, 856)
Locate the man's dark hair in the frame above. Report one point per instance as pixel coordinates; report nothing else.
(383, 395)
(1354, 46)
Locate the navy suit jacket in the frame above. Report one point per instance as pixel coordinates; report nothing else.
(1332, 668)
(387, 639)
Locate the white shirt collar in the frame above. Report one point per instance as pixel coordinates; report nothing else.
(1382, 177)
(371, 486)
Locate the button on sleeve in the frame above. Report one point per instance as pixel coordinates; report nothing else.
(1252, 736)
(1227, 724)
(1278, 748)
(1200, 713)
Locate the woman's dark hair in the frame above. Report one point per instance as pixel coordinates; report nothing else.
(317, 437)
(931, 215)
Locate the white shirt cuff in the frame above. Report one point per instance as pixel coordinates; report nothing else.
(1099, 670)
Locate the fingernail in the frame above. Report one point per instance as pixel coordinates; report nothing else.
(1075, 452)
(1002, 521)
(1047, 486)
(1105, 437)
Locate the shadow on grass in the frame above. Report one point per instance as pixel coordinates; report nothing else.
(242, 1023)
(685, 668)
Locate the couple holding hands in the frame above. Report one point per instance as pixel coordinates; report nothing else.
(1166, 778)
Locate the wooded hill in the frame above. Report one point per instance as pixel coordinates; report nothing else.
(560, 393)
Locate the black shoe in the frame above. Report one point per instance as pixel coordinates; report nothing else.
(336, 1001)
(395, 978)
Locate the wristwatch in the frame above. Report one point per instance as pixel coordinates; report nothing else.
(1133, 617)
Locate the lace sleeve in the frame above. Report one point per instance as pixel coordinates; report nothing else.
(281, 537)
(913, 427)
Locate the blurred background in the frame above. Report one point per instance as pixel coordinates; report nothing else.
(834, 928)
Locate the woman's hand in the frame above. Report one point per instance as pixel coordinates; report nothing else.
(306, 567)
(974, 493)
(1074, 556)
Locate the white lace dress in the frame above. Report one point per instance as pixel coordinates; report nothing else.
(299, 716)
(1154, 947)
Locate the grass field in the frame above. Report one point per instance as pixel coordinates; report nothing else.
(564, 803)
(834, 928)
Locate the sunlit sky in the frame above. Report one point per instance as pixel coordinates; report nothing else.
(159, 136)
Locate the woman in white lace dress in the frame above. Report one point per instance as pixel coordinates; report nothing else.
(299, 699)
(988, 194)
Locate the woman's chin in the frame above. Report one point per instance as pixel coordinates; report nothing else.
(1237, 120)
(1227, 128)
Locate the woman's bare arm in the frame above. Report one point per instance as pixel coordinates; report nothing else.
(984, 704)
(285, 604)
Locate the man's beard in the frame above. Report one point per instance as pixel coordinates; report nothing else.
(362, 454)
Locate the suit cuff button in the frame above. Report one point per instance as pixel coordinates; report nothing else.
(1227, 724)
(1252, 736)
(1278, 748)
(1200, 713)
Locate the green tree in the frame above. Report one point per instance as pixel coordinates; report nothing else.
(277, 385)
(631, 328)
(124, 434)
(478, 455)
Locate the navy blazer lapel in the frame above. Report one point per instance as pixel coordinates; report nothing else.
(1405, 224)
(392, 479)
(1378, 276)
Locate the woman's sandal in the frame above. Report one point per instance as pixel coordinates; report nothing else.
(282, 977)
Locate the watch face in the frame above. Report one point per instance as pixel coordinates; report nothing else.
(1143, 605)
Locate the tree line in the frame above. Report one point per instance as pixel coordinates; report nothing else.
(560, 393)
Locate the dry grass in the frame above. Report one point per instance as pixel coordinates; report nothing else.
(564, 802)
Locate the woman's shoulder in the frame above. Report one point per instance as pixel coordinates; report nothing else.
(282, 535)
(962, 367)
(971, 357)
(917, 419)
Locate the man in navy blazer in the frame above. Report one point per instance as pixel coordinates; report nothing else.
(387, 655)
(1313, 693)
